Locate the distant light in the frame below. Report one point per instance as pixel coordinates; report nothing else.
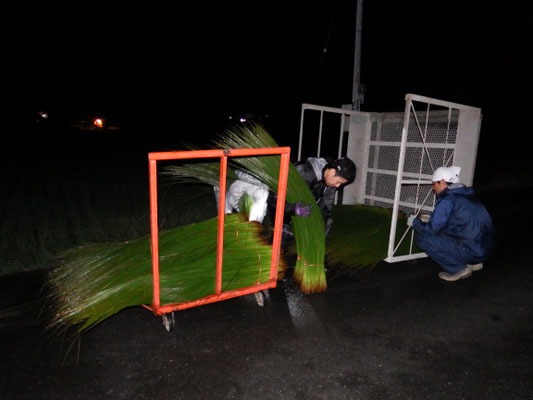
(242, 119)
(98, 123)
(42, 114)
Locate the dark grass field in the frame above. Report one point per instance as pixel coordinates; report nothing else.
(80, 188)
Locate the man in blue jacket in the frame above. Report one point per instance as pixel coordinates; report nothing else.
(459, 235)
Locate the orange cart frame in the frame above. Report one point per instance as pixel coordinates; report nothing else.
(219, 295)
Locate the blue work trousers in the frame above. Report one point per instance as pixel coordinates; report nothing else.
(450, 253)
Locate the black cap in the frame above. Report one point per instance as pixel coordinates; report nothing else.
(345, 168)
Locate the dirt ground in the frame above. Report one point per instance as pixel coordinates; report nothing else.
(394, 332)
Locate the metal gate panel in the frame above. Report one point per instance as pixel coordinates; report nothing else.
(435, 133)
(325, 133)
(342, 115)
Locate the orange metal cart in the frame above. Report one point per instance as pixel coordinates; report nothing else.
(219, 295)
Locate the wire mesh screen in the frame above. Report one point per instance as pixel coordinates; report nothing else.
(431, 137)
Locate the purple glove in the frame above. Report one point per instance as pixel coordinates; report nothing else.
(302, 210)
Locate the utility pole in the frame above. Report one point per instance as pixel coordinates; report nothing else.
(357, 93)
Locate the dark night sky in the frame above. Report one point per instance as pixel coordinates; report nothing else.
(180, 64)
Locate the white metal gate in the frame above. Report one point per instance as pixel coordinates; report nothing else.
(328, 130)
(435, 133)
(338, 114)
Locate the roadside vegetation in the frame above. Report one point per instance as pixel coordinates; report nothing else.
(53, 206)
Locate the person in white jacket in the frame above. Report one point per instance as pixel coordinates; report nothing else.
(253, 187)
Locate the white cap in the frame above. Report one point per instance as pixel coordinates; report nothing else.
(449, 174)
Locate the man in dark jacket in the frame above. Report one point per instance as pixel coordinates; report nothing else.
(459, 235)
(324, 176)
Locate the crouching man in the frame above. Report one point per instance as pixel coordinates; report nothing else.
(459, 234)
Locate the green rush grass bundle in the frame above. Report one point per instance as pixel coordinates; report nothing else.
(359, 237)
(308, 232)
(245, 205)
(94, 282)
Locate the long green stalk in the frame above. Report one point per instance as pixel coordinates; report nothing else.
(94, 282)
(309, 234)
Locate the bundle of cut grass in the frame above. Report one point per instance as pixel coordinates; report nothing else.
(308, 232)
(359, 237)
(94, 282)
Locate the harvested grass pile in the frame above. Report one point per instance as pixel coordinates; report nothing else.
(359, 237)
(94, 282)
(308, 232)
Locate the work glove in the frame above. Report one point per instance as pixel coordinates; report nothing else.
(302, 210)
(410, 220)
(424, 218)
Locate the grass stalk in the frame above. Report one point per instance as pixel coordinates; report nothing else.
(94, 282)
(359, 237)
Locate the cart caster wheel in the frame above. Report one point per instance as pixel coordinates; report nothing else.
(260, 297)
(168, 321)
